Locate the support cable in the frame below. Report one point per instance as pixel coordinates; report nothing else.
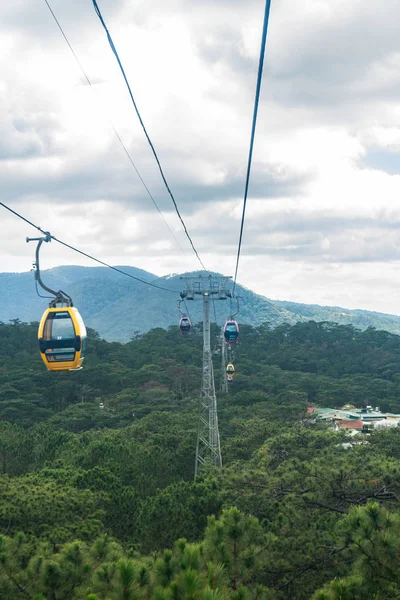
(113, 48)
(253, 129)
(187, 310)
(215, 317)
(215, 312)
(101, 262)
(115, 131)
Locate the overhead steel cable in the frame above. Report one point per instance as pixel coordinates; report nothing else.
(253, 130)
(215, 312)
(115, 131)
(187, 310)
(113, 48)
(101, 262)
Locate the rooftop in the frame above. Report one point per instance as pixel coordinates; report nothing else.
(352, 424)
(365, 414)
(332, 413)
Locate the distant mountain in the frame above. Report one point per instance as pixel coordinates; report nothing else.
(119, 307)
(357, 317)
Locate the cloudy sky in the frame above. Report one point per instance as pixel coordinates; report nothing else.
(323, 214)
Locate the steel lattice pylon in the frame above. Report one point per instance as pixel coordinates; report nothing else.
(208, 448)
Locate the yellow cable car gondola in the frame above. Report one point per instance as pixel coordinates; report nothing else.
(230, 371)
(62, 332)
(62, 339)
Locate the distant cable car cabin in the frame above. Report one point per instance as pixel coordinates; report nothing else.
(231, 331)
(230, 371)
(185, 325)
(62, 332)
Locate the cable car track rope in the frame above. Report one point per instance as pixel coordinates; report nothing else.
(187, 310)
(101, 262)
(113, 48)
(115, 131)
(253, 130)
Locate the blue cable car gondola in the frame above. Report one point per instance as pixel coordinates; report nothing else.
(231, 331)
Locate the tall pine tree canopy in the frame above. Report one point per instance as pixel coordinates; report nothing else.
(97, 493)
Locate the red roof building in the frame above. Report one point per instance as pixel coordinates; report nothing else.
(350, 424)
(310, 410)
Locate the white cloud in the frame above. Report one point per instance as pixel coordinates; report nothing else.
(322, 221)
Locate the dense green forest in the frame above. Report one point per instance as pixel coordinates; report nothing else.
(97, 497)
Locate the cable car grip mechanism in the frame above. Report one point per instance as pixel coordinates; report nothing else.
(60, 297)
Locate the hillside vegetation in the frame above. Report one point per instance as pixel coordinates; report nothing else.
(97, 498)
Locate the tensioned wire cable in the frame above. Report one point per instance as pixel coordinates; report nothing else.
(115, 131)
(187, 310)
(113, 48)
(253, 130)
(215, 312)
(101, 262)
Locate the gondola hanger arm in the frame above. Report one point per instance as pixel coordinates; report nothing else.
(60, 297)
(237, 307)
(184, 314)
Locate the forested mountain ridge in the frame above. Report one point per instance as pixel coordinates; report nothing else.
(118, 307)
(357, 317)
(97, 470)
